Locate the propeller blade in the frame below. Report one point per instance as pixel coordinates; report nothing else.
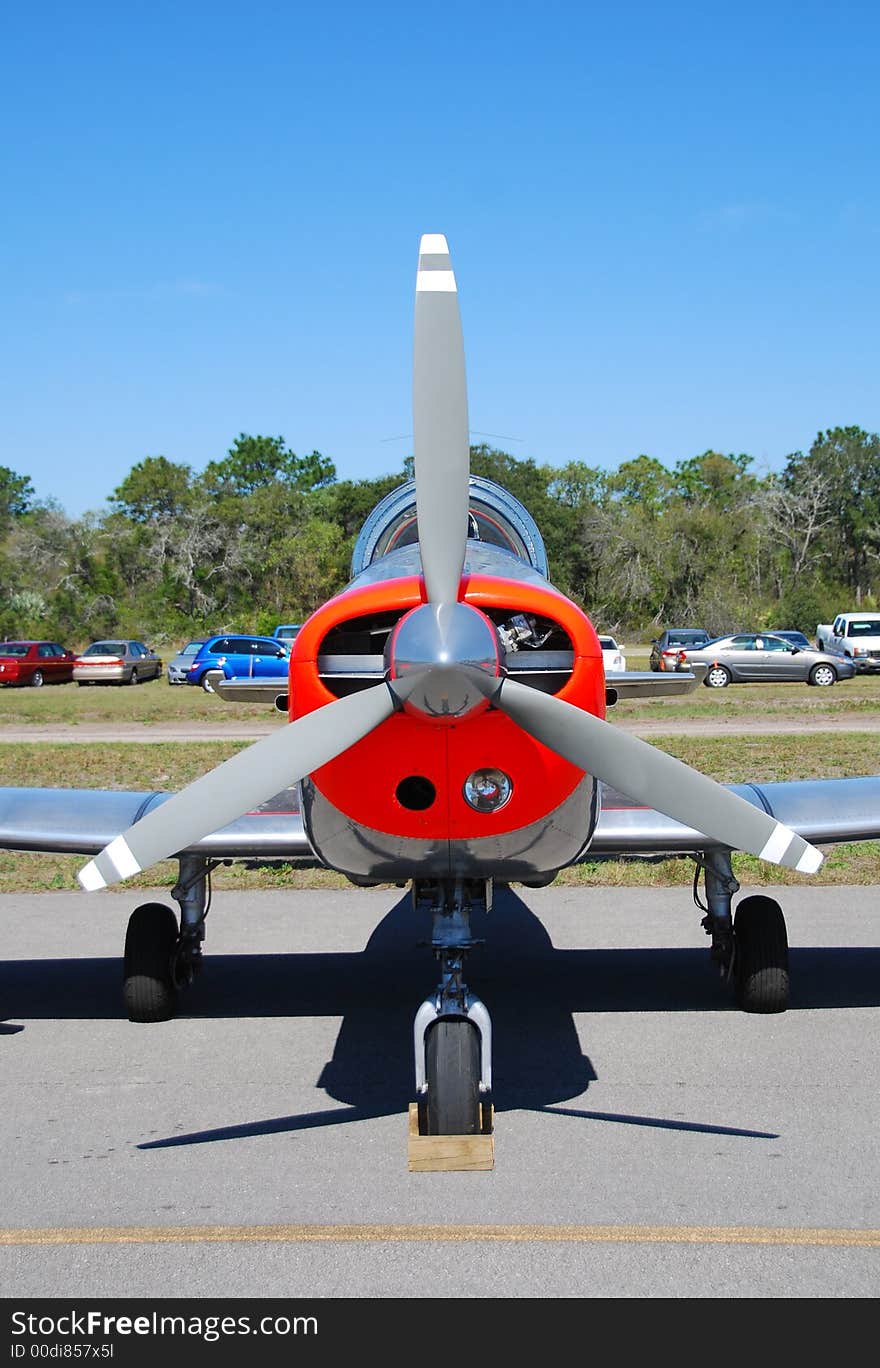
(239, 784)
(650, 776)
(440, 422)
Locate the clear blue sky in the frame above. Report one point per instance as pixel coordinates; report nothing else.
(664, 220)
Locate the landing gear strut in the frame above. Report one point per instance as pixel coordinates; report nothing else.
(750, 948)
(453, 1032)
(160, 957)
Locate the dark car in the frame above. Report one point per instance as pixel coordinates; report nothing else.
(666, 649)
(796, 638)
(35, 663)
(759, 657)
(237, 656)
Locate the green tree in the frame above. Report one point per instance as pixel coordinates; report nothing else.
(254, 462)
(847, 460)
(16, 495)
(154, 488)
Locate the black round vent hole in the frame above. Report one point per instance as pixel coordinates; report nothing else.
(415, 793)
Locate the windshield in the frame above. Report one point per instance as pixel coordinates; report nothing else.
(867, 627)
(14, 648)
(191, 648)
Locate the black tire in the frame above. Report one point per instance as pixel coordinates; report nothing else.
(209, 679)
(133, 677)
(717, 677)
(37, 679)
(452, 1066)
(823, 676)
(760, 955)
(148, 986)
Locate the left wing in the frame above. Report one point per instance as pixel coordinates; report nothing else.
(84, 821)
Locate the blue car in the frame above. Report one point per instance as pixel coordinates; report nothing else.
(235, 656)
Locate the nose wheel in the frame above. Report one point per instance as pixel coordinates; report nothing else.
(453, 1032)
(452, 1072)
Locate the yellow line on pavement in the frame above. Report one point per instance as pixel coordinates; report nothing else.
(455, 1234)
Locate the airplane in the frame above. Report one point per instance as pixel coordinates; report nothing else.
(447, 730)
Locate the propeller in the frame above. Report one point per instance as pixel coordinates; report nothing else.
(440, 423)
(240, 784)
(652, 777)
(445, 661)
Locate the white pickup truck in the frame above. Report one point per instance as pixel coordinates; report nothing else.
(856, 635)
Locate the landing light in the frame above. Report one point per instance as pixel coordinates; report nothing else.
(487, 790)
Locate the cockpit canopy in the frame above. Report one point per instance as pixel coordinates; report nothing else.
(495, 517)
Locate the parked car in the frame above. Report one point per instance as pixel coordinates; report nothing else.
(115, 661)
(667, 647)
(796, 638)
(612, 655)
(35, 663)
(175, 670)
(756, 657)
(286, 631)
(236, 656)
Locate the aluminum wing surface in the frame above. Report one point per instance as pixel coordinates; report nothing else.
(84, 821)
(822, 811)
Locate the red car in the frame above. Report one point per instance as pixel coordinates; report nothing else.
(35, 663)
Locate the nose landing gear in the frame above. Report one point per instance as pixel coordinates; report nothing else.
(452, 1030)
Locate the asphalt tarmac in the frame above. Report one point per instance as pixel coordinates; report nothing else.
(650, 1139)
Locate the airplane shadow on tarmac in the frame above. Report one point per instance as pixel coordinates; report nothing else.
(531, 989)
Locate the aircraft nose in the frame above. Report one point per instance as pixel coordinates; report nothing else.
(444, 660)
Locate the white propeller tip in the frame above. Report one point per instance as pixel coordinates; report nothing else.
(782, 849)
(115, 861)
(433, 244)
(91, 878)
(435, 271)
(811, 860)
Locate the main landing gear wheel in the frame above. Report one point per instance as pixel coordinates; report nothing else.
(717, 677)
(452, 1068)
(148, 984)
(760, 955)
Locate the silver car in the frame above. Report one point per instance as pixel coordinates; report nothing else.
(175, 670)
(760, 657)
(114, 661)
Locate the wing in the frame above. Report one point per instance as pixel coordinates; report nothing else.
(822, 811)
(84, 821)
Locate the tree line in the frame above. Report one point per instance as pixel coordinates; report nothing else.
(263, 536)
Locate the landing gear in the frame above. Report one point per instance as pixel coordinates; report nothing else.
(751, 948)
(452, 1069)
(761, 955)
(148, 982)
(453, 1032)
(160, 957)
